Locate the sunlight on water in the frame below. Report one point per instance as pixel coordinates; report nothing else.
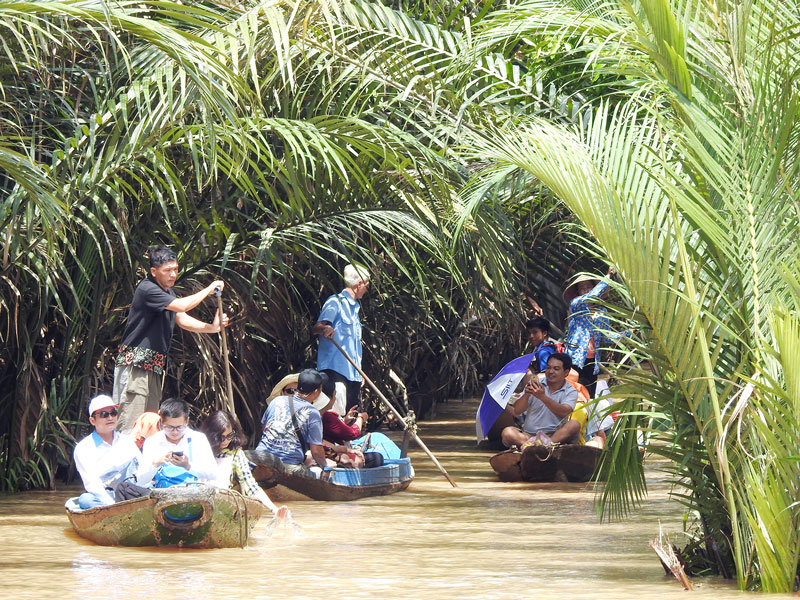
(484, 539)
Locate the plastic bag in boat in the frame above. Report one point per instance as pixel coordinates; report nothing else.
(378, 442)
(169, 475)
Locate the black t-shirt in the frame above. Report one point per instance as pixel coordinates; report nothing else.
(150, 324)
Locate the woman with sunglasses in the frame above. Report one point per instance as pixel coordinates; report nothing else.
(226, 438)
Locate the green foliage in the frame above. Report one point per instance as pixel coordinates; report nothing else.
(686, 183)
(269, 144)
(466, 154)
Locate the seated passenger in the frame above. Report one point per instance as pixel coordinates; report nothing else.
(145, 426)
(292, 425)
(539, 337)
(176, 453)
(579, 413)
(336, 429)
(548, 406)
(335, 433)
(104, 458)
(285, 387)
(227, 438)
(600, 420)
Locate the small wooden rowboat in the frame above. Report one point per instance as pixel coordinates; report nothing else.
(336, 485)
(569, 462)
(194, 516)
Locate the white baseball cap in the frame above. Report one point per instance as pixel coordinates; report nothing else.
(100, 402)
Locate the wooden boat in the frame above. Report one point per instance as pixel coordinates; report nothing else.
(336, 485)
(193, 516)
(568, 462)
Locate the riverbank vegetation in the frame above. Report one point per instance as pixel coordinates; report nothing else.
(269, 144)
(466, 154)
(686, 176)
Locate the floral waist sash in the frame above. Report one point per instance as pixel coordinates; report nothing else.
(142, 358)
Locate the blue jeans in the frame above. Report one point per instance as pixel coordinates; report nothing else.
(89, 500)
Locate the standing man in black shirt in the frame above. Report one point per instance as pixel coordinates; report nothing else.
(142, 354)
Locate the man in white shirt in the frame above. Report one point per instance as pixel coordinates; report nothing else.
(105, 457)
(176, 444)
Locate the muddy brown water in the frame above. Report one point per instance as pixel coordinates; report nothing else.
(485, 539)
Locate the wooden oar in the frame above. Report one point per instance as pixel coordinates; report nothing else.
(394, 410)
(224, 342)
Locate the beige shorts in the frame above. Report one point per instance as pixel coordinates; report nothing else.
(135, 391)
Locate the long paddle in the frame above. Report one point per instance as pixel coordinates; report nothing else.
(394, 410)
(224, 343)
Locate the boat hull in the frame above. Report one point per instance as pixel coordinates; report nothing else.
(197, 516)
(337, 485)
(570, 462)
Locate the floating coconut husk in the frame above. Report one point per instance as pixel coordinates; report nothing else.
(669, 559)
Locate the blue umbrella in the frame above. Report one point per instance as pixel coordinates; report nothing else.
(498, 393)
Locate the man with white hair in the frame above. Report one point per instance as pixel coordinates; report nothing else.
(340, 320)
(105, 457)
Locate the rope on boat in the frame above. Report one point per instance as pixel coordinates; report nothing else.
(244, 521)
(550, 449)
(411, 422)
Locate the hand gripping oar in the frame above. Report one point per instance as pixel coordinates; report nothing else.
(224, 344)
(394, 410)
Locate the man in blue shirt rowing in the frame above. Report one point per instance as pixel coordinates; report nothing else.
(340, 320)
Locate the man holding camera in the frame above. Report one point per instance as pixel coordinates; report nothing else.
(176, 445)
(547, 405)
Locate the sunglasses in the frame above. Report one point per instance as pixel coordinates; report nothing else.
(289, 390)
(104, 414)
(229, 437)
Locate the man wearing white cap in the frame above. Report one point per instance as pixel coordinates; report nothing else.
(105, 457)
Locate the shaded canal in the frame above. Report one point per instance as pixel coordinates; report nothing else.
(485, 539)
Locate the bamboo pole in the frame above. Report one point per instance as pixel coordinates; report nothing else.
(224, 343)
(394, 410)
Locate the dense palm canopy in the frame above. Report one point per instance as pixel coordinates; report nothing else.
(464, 154)
(269, 143)
(686, 175)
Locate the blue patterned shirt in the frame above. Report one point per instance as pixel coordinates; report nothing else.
(586, 324)
(542, 354)
(279, 437)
